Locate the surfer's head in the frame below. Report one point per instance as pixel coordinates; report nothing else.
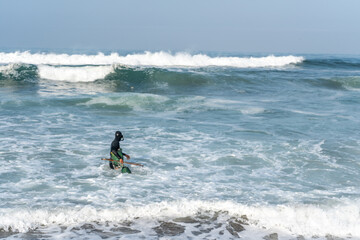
(119, 136)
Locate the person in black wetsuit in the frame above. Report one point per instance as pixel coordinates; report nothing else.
(116, 152)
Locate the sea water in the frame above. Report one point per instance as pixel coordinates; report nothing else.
(249, 146)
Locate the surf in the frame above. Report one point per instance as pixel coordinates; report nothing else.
(273, 149)
(218, 217)
(88, 68)
(157, 59)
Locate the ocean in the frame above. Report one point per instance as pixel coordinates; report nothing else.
(233, 145)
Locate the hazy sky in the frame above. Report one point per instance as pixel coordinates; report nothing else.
(268, 26)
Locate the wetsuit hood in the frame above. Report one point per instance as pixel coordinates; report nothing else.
(119, 136)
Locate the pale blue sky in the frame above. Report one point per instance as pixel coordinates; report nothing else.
(279, 26)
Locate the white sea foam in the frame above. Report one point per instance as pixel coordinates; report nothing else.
(135, 101)
(158, 59)
(74, 74)
(10, 70)
(252, 110)
(5, 68)
(341, 220)
(153, 102)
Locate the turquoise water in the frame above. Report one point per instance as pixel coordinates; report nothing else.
(272, 138)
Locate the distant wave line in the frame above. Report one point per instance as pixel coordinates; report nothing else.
(156, 59)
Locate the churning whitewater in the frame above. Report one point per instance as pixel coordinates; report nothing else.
(233, 146)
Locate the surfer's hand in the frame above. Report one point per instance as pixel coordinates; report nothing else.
(127, 157)
(121, 161)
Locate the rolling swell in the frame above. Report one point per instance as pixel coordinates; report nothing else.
(134, 79)
(116, 78)
(330, 63)
(121, 78)
(125, 75)
(337, 83)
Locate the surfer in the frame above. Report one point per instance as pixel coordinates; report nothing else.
(117, 155)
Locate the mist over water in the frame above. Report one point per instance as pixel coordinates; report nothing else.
(270, 143)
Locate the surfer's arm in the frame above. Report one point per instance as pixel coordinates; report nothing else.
(116, 153)
(127, 156)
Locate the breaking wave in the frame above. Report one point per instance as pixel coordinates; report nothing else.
(88, 68)
(157, 59)
(74, 74)
(204, 218)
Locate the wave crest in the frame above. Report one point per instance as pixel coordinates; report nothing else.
(88, 68)
(74, 74)
(157, 59)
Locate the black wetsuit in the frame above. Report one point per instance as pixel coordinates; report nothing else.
(115, 146)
